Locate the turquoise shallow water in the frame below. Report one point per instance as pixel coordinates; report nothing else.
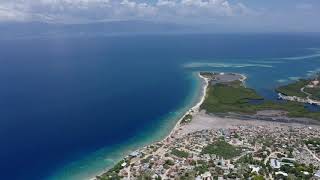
(71, 107)
(99, 161)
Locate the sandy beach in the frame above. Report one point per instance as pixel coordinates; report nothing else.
(192, 111)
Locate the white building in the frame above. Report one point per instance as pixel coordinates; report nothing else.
(275, 164)
(281, 173)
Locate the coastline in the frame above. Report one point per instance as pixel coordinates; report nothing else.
(299, 99)
(191, 111)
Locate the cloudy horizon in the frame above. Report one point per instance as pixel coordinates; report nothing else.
(296, 15)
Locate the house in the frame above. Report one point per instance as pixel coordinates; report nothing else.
(281, 173)
(135, 154)
(206, 176)
(275, 164)
(124, 164)
(255, 169)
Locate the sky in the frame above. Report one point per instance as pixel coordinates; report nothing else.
(292, 15)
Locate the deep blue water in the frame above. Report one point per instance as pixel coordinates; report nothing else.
(64, 99)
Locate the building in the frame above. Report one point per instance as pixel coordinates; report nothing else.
(275, 164)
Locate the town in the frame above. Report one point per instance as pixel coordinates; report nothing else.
(240, 152)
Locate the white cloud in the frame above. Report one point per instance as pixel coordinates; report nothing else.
(7, 14)
(167, 3)
(100, 10)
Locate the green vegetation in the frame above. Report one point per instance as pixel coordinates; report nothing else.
(313, 141)
(258, 177)
(294, 89)
(234, 97)
(201, 168)
(186, 119)
(168, 163)
(180, 154)
(112, 174)
(298, 170)
(223, 149)
(147, 159)
(248, 159)
(315, 93)
(294, 109)
(189, 175)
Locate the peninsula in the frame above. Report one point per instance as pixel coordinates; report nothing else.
(232, 133)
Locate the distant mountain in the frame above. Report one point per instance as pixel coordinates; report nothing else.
(36, 29)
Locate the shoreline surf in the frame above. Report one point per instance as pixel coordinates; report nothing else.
(193, 110)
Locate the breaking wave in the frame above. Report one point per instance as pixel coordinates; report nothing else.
(315, 54)
(225, 65)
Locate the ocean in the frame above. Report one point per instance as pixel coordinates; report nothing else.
(72, 107)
